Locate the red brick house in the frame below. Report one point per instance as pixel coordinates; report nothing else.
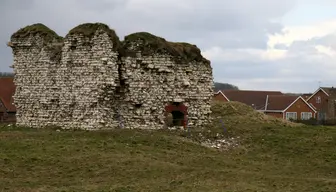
(273, 103)
(323, 100)
(289, 107)
(255, 99)
(7, 108)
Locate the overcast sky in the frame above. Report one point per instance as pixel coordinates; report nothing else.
(286, 45)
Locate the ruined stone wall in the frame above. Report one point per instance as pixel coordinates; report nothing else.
(91, 80)
(154, 82)
(34, 67)
(88, 66)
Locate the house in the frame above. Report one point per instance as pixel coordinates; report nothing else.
(323, 100)
(289, 107)
(255, 99)
(273, 103)
(7, 108)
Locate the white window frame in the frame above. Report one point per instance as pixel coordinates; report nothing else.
(318, 99)
(306, 115)
(289, 115)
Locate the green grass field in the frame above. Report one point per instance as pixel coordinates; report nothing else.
(270, 157)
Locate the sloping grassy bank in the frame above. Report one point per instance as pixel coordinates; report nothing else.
(270, 156)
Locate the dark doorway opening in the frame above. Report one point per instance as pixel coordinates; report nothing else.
(178, 114)
(178, 118)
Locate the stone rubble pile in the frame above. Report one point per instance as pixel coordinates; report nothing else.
(220, 141)
(85, 82)
(222, 144)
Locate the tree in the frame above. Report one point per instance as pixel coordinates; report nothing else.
(6, 74)
(224, 86)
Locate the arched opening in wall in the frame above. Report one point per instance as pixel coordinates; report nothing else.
(176, 114)
(177, 118)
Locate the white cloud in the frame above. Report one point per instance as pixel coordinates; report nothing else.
(227, 55)
(303, 33)
(326, 50)
(294, 61)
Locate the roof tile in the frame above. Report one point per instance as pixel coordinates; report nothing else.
(256, 99)
(280, 102)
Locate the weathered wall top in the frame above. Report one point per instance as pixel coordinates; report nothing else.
(151, 44)
(89, 30)
(145, 42)
(37, 29)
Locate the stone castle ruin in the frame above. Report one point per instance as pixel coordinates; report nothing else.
(91, 80)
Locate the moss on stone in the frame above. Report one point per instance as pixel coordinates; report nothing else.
(187, 51)
(145, 36)
(89, 30)
(153, 44)
(55, 51)
(37, 29)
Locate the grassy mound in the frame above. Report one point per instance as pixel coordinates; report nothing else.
(89, 29)
(236, 112)
(153, 44)
(272, 155)
(38, 28)
(272, 159)
(238, 119)
(232, 120)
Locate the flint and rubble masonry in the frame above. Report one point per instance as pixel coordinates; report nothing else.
(90, 80)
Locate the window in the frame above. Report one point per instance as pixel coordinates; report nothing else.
(291, 115)
(318, 99)
(306, 115)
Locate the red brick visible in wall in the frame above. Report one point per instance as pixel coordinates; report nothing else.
(322, 104)
(298, 107)
(220, 97)
(7, 117)
(180, 107)
(275, 114)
